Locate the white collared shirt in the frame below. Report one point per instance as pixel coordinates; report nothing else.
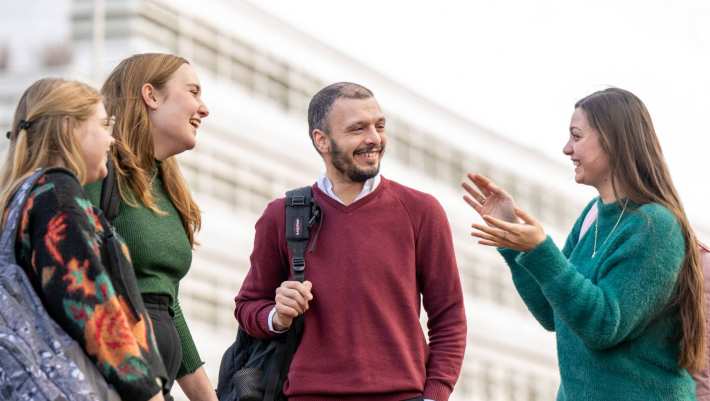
(325, 185)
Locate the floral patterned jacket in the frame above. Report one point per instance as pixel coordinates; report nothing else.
(60, 240)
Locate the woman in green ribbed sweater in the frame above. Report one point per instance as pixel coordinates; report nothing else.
(156, 99)
(624, 297)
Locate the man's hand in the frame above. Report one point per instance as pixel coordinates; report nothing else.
(292, 299)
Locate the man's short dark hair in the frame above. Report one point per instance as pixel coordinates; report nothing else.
(322, 102)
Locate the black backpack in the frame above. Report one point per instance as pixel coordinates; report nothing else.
(254, 369)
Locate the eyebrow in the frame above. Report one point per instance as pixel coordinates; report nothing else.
(356, 124)
(572, 128)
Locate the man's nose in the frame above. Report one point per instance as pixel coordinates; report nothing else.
(373, 136)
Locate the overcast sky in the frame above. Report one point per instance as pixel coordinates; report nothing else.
(518, 66)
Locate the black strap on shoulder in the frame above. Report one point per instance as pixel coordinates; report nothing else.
(110, 195)
(301, 214)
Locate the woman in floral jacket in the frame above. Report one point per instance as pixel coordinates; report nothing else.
(62, 126)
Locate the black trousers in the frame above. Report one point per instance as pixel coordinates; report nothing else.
(166, 335)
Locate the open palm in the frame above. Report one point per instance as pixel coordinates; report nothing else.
(488, 199)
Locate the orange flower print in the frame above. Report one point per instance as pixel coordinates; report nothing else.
(88, 208)
(138, 328)
(77, 311)
(78, 279)
(55, 234)
(25, 220)
(29, 204)
(104, 287)
(109, 336)
(47, 274)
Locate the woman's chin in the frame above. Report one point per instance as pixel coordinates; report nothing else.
(184, 145)
(97, 175)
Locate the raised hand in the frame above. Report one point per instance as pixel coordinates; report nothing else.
(488, 199)
(522, 237)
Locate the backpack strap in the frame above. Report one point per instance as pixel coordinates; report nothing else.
(13, 211)
(301, 214)
(110, 195)
(588, 220)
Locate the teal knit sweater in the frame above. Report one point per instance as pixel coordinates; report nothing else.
(617, 339)
(161, 255)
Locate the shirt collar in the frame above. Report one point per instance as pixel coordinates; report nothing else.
(326, 186)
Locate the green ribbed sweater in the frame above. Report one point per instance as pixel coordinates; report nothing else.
(616, 338)
(161, 255)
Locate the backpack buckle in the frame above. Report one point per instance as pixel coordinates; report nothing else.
(299, 264)
(298, 200)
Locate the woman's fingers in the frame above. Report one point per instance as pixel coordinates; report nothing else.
(491, 243)
(492, 231)
(475, 194)
(482, 235)
(475, 205)
(490, 239)
(488, 187)
(481, 182)
(513, 228)
(528, 219)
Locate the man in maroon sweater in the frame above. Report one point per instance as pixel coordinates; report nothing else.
(380, 250)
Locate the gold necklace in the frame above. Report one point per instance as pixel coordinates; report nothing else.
(596, 229)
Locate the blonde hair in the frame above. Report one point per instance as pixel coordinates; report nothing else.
(133, 153)
(42, 132)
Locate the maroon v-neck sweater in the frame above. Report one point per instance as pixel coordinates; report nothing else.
(369, 262)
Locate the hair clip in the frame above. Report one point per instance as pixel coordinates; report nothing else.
(8, 134)
(24, 124)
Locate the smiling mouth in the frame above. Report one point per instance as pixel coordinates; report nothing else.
(195, 123)
(369, 154)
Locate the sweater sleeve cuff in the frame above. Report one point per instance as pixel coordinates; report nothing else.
(508, 254)
(436, 390)
(544, 262)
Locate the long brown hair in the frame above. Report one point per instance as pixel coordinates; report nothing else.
(133, 155)
(638, 166)
(43, 131)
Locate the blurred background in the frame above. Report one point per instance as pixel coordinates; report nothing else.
(486, 86)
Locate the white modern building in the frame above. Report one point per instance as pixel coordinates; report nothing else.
(258, 74)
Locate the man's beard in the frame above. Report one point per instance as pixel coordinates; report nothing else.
(346, 165)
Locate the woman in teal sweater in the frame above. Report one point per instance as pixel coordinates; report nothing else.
(624, 297)
(156, 99)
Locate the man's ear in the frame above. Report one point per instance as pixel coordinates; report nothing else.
(320, 139)
(150, 96)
